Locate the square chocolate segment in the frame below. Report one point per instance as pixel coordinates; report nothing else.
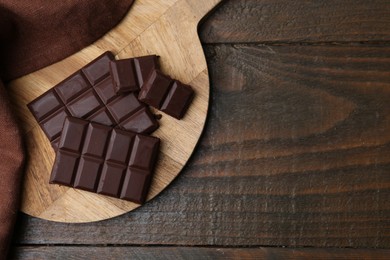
(105, 90)
(95, 141)
(144, 66)
(155, 89)
(72, 86)
(118, 147)
(178, 100)
(64, 168)
(143, 120)
(88, 174)
(124, 107)
(45, 106)
(128, 75)
(102, 164)
(111, 179)
(124, 76)
(85, 104)
(131, 185)
(144, 152)
(73, 143)
(52, 126)
(98, 69)
(102, 116)
(168, 95)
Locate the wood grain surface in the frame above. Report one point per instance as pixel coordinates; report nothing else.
(170, 31)
(295, 151)
(285, 159)
(287, 21)
(196, 253)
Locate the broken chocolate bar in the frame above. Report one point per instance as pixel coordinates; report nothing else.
(129, 74)
(89, 94)
(105, 160)
(168, 95)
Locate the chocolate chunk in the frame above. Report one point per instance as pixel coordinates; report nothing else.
(124, 106)
(52, 125)
(111, 180)
(99, 68)
(155, 89)
(145, 67)
(141, 120)
(105, 90)
(130, 188)
(124, 76)
(168, 95)
(88, 174)
(63, 168)
(178, 100)
(105, 160)
(73, 86)
(129, 74)
(89, 94)
(46, 105)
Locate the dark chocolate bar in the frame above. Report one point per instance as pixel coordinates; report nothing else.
(105, 160)
(129, 74)
(89, 94)
(168, 95)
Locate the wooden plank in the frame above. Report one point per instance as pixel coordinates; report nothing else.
(170, 31)
(298, 21)
(296, 152)
(147, 253)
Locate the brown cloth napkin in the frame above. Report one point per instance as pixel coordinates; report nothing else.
(34, 34)
(11, 159)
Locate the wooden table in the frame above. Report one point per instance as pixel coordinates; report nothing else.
(295, 153)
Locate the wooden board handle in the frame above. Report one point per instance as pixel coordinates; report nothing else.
(202, 7)
(165, 27)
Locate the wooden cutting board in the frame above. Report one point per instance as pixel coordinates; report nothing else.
(167, 28)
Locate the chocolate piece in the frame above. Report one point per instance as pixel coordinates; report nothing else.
(124, 76)
(145, 67)
(129, 74)
(178, 100)
(105, 160)
(168, 95)
(155, 89)
(89, 94)
(97, 69)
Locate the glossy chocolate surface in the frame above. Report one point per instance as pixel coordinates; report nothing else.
(129, 74)
(105, 160)
(89, 94)
(164, 93)
(178, 100)
(124, 75)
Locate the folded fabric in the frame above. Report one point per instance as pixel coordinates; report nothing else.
(11, 161)
(43, 32)
(34, 34)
